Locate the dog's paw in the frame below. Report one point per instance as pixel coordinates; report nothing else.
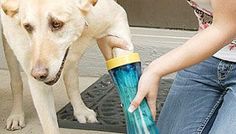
(15, 122)
(86, 116)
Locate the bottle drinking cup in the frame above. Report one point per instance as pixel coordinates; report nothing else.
(125, 72)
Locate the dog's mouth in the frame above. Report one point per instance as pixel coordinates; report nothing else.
(52, 82)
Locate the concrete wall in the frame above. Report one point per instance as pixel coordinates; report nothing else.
(174, 14)
(149, 42)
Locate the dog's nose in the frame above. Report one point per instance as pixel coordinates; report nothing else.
(39, 73)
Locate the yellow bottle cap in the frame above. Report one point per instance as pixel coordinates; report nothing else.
(122, 60)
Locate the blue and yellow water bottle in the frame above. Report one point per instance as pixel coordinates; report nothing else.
(125, 72)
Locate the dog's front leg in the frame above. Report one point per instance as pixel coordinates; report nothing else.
(82, 113)
(70, 75)
(16, 119)
(118, 41)
(44, 103)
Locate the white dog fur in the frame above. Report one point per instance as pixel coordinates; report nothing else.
(39, 33)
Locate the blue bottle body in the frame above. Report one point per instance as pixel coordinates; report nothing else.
(126, 79)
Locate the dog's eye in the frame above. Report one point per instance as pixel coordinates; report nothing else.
(29, 28)
(56, 25)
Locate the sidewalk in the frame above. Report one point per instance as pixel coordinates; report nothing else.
(32, 122)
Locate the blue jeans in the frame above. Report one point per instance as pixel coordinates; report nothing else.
(202, 100)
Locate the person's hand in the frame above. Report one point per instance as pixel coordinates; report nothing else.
(108, 43)
(148, 87)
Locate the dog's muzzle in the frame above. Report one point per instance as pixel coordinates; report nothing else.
(52, 82)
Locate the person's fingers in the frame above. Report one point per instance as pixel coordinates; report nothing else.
(106, 45)
(116, 42)
(152, 105)
(136, 101)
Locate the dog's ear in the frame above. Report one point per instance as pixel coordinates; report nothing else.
(86, 5)
(10, 7)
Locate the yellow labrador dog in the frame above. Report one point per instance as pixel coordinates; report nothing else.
(48, 37)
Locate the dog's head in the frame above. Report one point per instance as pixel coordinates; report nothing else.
(51, 26)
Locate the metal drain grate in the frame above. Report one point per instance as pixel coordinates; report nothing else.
(104, 100)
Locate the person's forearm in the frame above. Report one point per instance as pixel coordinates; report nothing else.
(198, 48)
(204, 44)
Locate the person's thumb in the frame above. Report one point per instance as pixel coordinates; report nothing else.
(136, 101)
